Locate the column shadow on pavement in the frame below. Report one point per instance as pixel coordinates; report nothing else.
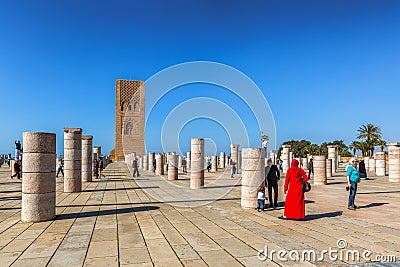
(104, 212)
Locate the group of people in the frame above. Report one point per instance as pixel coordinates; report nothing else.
(98, 166)
(272, 176)
(294, 187)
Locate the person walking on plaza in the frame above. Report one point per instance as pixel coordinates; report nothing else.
(17, 170)
(353, 178)
(208, 165)
(233, 164)
(293, 189)
(101, 167)
(18, 150)
(60, 166)
(362, 170)
(272, 178)
(184, 164)
(154, 164)
(96, 168)
(135, 167)
(310, 167)
(260, 198)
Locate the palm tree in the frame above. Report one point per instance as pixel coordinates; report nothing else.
(382, 145)
(364, 147)
(354, 146)
(369, 132)
(372, 135)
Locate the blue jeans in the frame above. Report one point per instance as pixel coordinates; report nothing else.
(352, 196)
(233, 170)
(260, 204)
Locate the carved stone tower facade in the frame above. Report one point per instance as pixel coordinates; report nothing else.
(129, 119)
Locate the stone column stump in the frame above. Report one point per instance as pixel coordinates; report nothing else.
(214, 164)
(172, 167)
(285, 156)
(319, 163)
(380, 163)
(253, 175)
(87, 161)
(38, 181)
(160, 164)
(394, 162)
(197, 163)
(72, 160)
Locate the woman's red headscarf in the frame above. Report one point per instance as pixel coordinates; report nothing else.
(294, 165)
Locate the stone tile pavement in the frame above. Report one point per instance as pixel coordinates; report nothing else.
(121, 221)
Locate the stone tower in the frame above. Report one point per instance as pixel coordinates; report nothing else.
(129, 119)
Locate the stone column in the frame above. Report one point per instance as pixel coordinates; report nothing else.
(12, 162)
(239, 165)
(305, 164)
(372, 167)
(188, 164)
(319, 163)
(329, 168)
(380, 163)
(273, 156)
(179, 162)
(197, 163)
(214, 164)
(222, 160)
(227, 161)
(97, 152)
(333, 155)
(285, 156)
(235, 155)
(394, 162)
(150, 161)
(290, 157)
(366, 162)
(39, 182)
(145, 162)
(160, 164)
(87, 152)
(172, 167)
(253, 175)
(72, 160)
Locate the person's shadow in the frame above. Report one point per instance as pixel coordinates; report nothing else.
(371, 205)
(312, 217)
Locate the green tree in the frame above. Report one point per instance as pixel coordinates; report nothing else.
(371, 135)
(382, 145)
(296, 146)
(313, 149)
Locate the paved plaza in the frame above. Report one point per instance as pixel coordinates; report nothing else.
(121, 221)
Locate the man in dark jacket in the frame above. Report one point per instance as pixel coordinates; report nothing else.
(135, 168)
(272, 177)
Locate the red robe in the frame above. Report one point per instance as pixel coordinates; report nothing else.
(294, 204)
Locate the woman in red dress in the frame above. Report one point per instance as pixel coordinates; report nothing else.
(294, 204)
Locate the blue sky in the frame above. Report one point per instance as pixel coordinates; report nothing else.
(325, 67)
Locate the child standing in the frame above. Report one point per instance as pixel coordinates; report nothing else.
(260, 198)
